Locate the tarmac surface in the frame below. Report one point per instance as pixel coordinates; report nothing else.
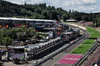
(53, 62)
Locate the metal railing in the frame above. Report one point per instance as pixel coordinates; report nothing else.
(40, 61)
(78, 63)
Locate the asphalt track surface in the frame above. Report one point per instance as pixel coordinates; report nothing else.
(58, 57)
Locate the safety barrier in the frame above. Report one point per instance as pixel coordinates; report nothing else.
(78, 63)
(40, 61)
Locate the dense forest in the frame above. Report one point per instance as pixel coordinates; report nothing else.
(41, 11)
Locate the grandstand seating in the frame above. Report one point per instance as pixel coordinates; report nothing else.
(94, 59)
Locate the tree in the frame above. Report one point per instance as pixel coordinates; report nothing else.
(7, 41)
(85, 17)
(98, 22)
(91, 17)
(19, 36)
(38, 10)
(35, 15)
(23, 11)
(31, 31)
(0, 39)
(42, 6)
(44, 13)
(64, 17)
(41, 17)
(25, 3)
(53, 14)
(3, 32)
(13, 34)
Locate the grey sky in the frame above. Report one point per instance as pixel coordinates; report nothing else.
(79, 5)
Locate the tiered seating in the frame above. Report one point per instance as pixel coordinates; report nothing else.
(95, 57)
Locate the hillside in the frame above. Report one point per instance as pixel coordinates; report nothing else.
(41, 11)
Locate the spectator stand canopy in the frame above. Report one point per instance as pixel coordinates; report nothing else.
(24, 19)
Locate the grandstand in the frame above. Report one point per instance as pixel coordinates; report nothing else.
(94, 58)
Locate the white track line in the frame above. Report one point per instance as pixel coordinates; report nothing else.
(59, 60)
(69, 52)
(64, 56)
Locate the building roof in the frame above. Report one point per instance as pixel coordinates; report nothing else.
(18, 55)
(50, 28)
(3, 48)
(71, 20)
(32, 46)
(21, 19)
(17, 47)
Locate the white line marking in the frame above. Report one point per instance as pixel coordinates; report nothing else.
(59, 60)
(67, 54)
(63, 57)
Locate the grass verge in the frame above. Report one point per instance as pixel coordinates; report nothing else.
(89, 41)
(94, 33)
(81, 49)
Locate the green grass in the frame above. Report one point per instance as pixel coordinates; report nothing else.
(94, 33)
(81, 49)
(86, 45)
(89, 41)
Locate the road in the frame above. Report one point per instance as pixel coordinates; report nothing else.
(52, 62)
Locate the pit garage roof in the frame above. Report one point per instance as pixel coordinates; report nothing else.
(32, 46)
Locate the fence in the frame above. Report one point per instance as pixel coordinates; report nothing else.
(87, 54)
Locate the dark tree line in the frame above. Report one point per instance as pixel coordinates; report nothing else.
(41, 11)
